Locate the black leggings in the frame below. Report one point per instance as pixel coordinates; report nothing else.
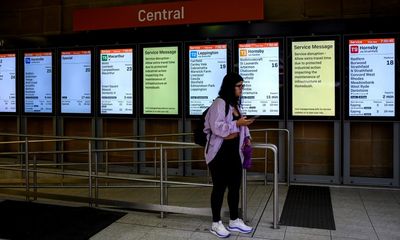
(226, 171)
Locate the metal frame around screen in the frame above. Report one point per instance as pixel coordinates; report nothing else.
(186, 84)
(335, 120)
(54, 82)
(179, 45)
(93, 94)
(347, 178)
(17, 84)
(97, 82)
(282, 72)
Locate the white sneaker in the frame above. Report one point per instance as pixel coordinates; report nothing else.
(239, 226)
(219, 230)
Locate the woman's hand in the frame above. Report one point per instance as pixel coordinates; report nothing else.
(247, 141)
(243, 121)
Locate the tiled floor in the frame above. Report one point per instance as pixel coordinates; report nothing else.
(359, 214)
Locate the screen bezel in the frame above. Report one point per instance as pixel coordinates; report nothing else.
(188, 44)
(282, 72)
(142, 46)
(59, 81)
(53, 81)
(134, 80)
(346, 39)
(16, 85)
(337, 40)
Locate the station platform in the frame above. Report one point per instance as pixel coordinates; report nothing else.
(359, 213)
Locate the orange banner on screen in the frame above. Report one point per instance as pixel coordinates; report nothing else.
(208, 47)
(7, 55)
(372, 41)
(259, 45)
(75, 52)
(37, 54)
(174, 13)
(127, 50)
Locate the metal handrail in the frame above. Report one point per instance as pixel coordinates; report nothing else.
(163, 177)
(174, 147)
(36, 141)
(155, 136)
(99, 139)
(251, 130)
(275, 216)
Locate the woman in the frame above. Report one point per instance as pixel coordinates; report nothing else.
(226, 134)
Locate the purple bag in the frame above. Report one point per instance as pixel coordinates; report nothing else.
(247, 151)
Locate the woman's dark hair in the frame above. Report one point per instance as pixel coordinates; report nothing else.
(227, 90)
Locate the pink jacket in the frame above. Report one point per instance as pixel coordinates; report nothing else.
(221, 127)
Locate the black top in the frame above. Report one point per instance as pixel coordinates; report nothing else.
(235, 117)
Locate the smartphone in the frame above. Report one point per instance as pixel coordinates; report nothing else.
(254, 117)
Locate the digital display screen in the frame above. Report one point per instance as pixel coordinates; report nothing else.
(7, 83)
(116, 81)
(38, 82)
(259, 67)
(160, 80)
(313, 78)
(372, 77)
(207, 68)
(76, 82)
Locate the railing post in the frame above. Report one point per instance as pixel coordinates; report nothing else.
(288, 157)
(35, 176)
(26, 169)
(161, 182)
(244, 195)
(208, 181)
(106, 161)
(155, 159)
(266, 160)
(166, 177)
(276, 196)
(21, 159)
(62, 163)
(96, 180)
(90, 171)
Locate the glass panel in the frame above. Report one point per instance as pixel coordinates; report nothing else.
(314, 148)
(371, 150)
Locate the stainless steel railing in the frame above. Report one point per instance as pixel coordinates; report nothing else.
(155, 137)
(93, 170)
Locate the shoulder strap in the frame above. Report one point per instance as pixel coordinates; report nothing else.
(226, 107)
